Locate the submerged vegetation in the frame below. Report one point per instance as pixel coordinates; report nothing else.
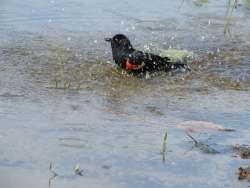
(232, 4)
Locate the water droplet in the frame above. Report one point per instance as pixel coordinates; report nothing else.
(147, 75)
(146, 47)
(209, 22)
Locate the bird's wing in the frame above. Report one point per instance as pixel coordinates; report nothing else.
(138, 57)
(132, 61)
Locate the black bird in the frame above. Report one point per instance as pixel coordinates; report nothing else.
(136, 61)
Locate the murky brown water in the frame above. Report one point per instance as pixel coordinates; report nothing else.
(62, 100)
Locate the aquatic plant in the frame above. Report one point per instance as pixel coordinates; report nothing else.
(67, 75)
(200, 2)
(164, 146)
(53, 174)
(78, 170)
(177, 55)
(67, 84)
(232, 4)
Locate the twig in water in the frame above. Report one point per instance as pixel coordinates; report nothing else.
(202, 146)
(54, 174)
(182, 2)
(195, 141)
(164, 147)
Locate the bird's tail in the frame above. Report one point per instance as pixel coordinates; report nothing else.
(178, 66)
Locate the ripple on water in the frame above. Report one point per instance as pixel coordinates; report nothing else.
(63, 100)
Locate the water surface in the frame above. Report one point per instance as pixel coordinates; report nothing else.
(62, 100)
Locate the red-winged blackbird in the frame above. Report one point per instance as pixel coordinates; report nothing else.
(136, 61)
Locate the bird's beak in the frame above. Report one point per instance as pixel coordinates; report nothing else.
(108, 39)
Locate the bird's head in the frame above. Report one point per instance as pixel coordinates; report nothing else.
(119, 43)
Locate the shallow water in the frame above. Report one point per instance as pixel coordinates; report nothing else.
(62, 100)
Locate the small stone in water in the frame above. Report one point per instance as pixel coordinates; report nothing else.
(107, 167)
(244, 173)
(78, 170)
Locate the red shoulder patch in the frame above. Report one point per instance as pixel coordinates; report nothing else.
(128, 65)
